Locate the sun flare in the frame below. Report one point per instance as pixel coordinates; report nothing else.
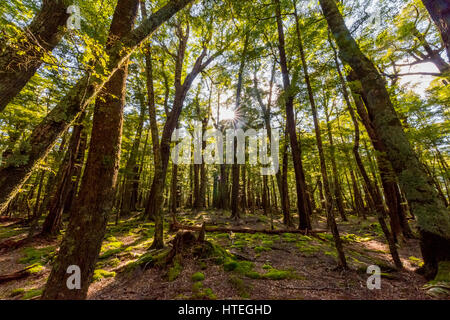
(228, 114)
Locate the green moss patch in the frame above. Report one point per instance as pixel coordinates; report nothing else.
(99, 274)
(240, 286)
(37, 256)
(199, 292)
(174, 271)
(198, 276)
(32, 293)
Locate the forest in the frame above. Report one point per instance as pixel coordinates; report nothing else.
(224, 149)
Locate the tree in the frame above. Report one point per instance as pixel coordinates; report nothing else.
(45, 135)
(21, 55)
(433, 218)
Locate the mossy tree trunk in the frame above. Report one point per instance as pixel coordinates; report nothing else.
(13, 175)
(19, 62)
(432, 216)
(84, 235)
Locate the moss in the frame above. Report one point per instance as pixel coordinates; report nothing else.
(267, 266)
(277, 274)
(307, 249)
(174, 271)
(267, 243)
(149, 259)
(32, 293)
(100, 274)
(274, 274)
(33, 255)
(239, 244)
(110, 248)
(8, 232)
(416, 261)
(17, 292)
(202, 265)
(202, 293)
(211, 251)
(259, 249)
(331, 253)
(114, 262)
(109, 253)
(253, 274)
(198, 276)
(239, 284)
(222, 236)
(230, 265)
(443, 274)
(36, 268)
(289, 237)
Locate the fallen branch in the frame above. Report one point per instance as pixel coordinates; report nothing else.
(177, 226)
(16, 275)
(311, 288)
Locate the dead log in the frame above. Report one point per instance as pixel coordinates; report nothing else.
(16, 275)
(177, 226)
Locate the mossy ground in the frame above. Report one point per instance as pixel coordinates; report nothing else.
(239, 265)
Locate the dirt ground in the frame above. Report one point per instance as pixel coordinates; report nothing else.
(285, 266)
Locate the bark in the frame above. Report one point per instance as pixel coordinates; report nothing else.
(302, 206)
(422, 197)
(87, 225)
(337, 184)
(20, 62)
(129, 197)
(52, 222)
(155, 201)
(174, 190)
(45, 135)
(235, 214)
(439, 11)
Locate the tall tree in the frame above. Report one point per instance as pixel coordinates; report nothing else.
(302, 206)
(433, 217)
(13, 175)
(84, 235)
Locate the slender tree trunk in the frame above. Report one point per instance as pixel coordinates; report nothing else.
(302, 206)
(52, 223)
(155, 201)
(337, 185)
(129, 198)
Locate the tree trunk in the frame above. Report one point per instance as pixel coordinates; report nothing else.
(302, 206)
(129, 198)
(84, 235)
(52, 222)
(439, 11)
(20, 62)
(433, 218)
(337, 184)
(46, 134)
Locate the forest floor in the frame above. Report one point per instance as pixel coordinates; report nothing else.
(285, 266)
